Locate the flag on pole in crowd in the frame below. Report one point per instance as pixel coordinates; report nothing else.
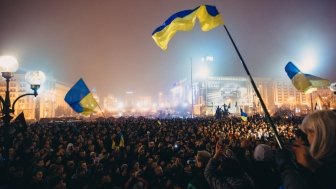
(81, 99)
(19, 124)
(207, 15)
(304, 82)
(243, 115)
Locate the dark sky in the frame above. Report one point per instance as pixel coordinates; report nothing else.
(108, 43)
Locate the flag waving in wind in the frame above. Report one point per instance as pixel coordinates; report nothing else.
(207, 15)
(81, 99)
(243, 115)
(304, 82)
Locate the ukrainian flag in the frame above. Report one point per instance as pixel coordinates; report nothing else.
(304, 82)
(243, 115)
(207, 15)
(81, 99)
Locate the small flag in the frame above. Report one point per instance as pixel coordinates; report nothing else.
(19, 124)
(304, 82)
(207, 15)
(243, 115)
(81, 99)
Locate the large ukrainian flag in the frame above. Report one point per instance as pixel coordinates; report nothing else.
(304, 82)
(207, 15)
(81, 99)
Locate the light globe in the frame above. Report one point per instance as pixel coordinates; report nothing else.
(8, 64)
(35, 77)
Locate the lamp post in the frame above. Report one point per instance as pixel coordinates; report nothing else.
(8, 66)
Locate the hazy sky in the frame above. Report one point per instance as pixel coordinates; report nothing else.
(108, 43)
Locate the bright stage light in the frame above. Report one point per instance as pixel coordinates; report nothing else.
(309, 60)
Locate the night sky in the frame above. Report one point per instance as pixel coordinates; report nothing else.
(108, 43)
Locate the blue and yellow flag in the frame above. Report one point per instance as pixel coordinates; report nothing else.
(243, 115)
(81, 99)
(207, 15)
(304, 82)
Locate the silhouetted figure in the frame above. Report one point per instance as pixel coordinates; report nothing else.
(218, 113)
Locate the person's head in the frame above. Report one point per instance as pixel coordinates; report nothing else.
(263, 152)
(320, 127)
(83, 165)
(158, 171)
(38, 175)
(40, 163)
(82, 153)
(202, 158)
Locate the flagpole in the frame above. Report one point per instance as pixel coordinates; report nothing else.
(192, 89)
(101, 111)
(277, 137)
(311, 102)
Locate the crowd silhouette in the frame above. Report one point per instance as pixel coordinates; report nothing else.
(127, 153)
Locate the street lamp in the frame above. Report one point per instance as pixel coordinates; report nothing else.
(8, 66)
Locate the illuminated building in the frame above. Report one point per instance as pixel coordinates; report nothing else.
(110, 103)
(162, 101)
(17, 87)
(49, 103)
(144, 103)
(231, 90)
(129, 100)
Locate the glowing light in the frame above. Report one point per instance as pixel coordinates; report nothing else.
(8, 64)
(207, 59)
(35, 77)
(309, 60)
(120, 105)
(203, 72)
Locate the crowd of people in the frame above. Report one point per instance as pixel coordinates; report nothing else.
(135, 153)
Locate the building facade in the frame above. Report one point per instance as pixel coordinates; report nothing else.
(49, 102)
(238, 93)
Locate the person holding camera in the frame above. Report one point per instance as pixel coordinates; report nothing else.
(315, 162)
(198, 181)
(223, 171)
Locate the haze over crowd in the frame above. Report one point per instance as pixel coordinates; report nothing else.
(109, 44)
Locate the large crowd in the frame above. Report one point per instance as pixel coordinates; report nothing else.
(135, 153)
